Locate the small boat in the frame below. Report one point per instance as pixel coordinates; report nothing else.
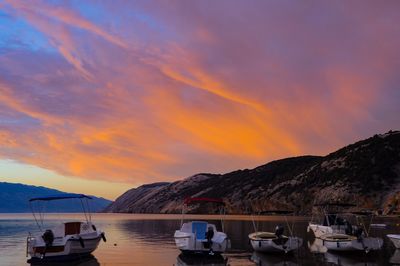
(274, 241)
(201, 237)
(395, 240)
(332, 221)
(355, 238)
(67, 241)
(343, 242)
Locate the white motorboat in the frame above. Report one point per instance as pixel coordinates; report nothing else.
(270, 242)
(395, 240)
(340, 258)
(332, 222)
(355, 238)
(66, 241)
(274, 241)
(201, 237)
(344, 242)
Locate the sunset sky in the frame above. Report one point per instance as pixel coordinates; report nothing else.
(98, 97)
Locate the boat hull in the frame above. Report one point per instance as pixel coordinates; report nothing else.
(68, 249)
(350, 243)
(395, 240)
(187, 243)
(267, 242)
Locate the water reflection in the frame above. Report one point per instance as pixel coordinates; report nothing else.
(186, 260)
(342, 258)
(263, 259)
(149, 232)
(87, 261)
(148, 240)
(395, 258)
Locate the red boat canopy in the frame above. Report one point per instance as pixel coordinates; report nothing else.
(189, 200)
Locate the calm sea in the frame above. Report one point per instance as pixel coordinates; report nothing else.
(136, 239)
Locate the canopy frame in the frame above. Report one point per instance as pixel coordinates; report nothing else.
(38, 215)
(195, 200)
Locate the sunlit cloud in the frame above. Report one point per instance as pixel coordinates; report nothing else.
(144, 91)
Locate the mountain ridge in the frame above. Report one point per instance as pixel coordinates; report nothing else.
(14, 198)
(366, 172)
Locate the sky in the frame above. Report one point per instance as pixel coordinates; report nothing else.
(98, 97)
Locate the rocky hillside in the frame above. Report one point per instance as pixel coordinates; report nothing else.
(366, 173)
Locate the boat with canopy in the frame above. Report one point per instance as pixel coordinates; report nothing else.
(332, 221)
(277, 241)
(201, 237)
(66, 241)
(355, 238)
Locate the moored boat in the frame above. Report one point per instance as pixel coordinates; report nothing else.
(343, 242)
(355, 238)
(201, 237)
(332, 222)
(270, 242)
(274, 242)
(67, 241)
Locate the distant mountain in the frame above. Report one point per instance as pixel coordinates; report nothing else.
(366, 173)
(14, 198)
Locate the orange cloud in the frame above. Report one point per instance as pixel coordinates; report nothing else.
(161, 92)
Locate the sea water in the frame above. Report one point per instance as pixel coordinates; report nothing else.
(147, 239)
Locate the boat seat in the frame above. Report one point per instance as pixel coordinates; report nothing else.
(200, 229)
(72, 228)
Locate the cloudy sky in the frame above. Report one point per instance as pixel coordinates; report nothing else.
(101, 96)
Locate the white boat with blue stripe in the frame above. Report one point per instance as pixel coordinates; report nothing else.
(201, 237)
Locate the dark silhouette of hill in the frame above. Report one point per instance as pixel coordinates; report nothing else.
(14, 198)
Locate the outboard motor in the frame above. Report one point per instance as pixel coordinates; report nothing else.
(279, 229)
(48, 237)
(349, 228)
(358, 233)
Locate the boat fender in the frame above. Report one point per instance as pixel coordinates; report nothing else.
(48, 237)
(259, 243)
(337, 244)
(81, 242)
(94, 227)
(103, 236)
